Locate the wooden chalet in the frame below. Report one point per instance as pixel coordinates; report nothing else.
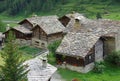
(20, 32)
(90, 42)
(40, 30)
(47, 30)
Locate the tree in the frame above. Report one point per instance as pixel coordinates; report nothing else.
(2, 26)
(98, 16)
(13, 69)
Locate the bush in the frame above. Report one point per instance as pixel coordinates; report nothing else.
(99, 67)
(53, 46)
(114, 58)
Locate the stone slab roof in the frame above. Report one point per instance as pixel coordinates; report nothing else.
(101, 27)
(77, 44)
(75, 15)
(37, 72)
(22, 29)
(79, 41)
(50, 24)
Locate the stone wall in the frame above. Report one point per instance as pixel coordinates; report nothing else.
(117, 40)
(99, 50)
(109, 45)
(39, 43)
(24, 42)
(82, 69)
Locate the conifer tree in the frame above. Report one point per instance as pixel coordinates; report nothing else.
(13, 69)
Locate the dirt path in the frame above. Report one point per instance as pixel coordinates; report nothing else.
(56, 77)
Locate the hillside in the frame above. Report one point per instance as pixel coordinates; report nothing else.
(107, 8)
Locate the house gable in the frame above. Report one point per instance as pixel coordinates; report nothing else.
(64, 20)
(26, 24)
(39, 33)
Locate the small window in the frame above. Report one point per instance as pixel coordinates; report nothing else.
(43, 44)
(90, 57)
(36, 42)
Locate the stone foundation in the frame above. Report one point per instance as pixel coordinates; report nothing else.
(39, 43)
(24, 42)
(81, 69)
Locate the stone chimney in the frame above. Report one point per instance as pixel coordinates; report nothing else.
(72, 14)
(8, 27)
(77, 24)
(34, 24)
(44, 62)
(34, 15)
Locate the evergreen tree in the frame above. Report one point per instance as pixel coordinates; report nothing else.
(13, 69)
(98, 16)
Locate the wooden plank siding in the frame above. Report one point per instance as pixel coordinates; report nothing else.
(39, 34)
(54, 37)
(18, 34)
(75, 61)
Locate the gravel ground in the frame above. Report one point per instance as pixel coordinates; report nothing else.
(56, 77)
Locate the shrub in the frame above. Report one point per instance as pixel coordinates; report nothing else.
(53, 46)
(98, 16)
(99, 67)
(114, 58)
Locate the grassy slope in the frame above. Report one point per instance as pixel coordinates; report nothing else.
(111, 73)
(28, 53)
(1, 60)
(86, 8)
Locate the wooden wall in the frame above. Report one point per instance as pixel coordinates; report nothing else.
(18, 35)
(64, 20)
(39, 34)
(75, 61)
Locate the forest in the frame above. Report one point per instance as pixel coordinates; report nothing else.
(15, 7)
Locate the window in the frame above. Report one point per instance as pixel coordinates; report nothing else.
(90, 57)
(43, 44)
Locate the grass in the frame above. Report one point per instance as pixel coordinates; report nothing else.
(29, 52)
(1, 60)
(111, 73)
(51, 59)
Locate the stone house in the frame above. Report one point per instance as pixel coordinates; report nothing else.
(22, 34)
(47, 30)
(40, 31)
(39, 70)
(87, 41)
